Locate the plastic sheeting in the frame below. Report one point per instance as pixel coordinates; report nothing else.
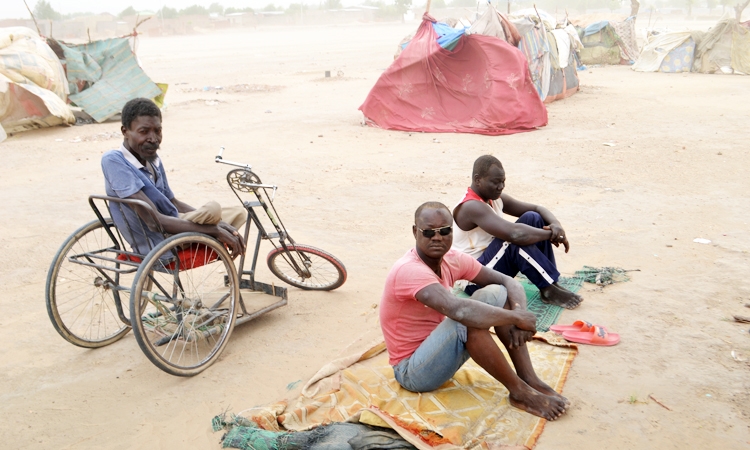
(33, 89)
(114, 74)
(483, 86)
(447, 36)
(595, 28)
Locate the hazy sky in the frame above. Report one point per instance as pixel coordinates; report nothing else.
(14, 9)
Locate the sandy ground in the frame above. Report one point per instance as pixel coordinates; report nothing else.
(677, 172)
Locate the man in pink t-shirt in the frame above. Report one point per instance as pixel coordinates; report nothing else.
(427, 348)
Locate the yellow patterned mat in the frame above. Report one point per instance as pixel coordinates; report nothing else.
(470, 411)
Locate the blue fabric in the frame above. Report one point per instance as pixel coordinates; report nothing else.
(595, 28)
(680, 59)
(122, 179)
(514, 261)
(440, 356)
(447, 37)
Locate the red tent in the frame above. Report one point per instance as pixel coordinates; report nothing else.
(481, 86)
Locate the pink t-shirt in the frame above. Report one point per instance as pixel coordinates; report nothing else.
(405, 321)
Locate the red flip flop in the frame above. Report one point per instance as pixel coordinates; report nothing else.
(596, 336)
(578, 325)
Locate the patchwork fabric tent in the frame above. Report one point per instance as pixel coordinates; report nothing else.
(723, 49)
(609, 42)
(33, 88)
(551, 54)
(482, 85)
(40, 77)
(669, 52)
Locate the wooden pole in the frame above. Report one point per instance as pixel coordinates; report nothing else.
(33, 18)
(427, 7)
(541, 22)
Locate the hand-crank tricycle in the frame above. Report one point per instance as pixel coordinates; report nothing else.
(186, 294)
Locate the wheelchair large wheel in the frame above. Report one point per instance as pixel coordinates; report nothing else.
(183, 308)
(307, 267)
(81, 301)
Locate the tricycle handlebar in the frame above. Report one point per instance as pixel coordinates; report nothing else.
(219, 159)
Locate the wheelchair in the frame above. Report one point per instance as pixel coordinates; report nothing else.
(183, 295)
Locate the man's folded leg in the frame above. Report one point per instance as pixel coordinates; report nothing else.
(212, 213)
(235, 216)
(535, 261)
(440, 356)
(208, 214)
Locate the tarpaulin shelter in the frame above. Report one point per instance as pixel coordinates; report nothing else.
(725, 48)
(482, 85)
(104, 75)
(668, 52)
(33, 88)
(40, 77)
(609, 42)
(551, 56)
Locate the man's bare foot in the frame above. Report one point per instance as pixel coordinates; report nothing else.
(554, 294)
(546, 389)
(533, 402)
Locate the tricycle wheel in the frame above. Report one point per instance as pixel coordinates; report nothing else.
(307, 267)
(82, 302)
(183, 303)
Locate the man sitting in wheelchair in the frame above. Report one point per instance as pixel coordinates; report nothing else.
(135, 171)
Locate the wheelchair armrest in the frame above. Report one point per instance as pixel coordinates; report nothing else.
(125, 201)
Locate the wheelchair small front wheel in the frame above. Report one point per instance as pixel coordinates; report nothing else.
(307, 267)
(82, 302)
(183, 303)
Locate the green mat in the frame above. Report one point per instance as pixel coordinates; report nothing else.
(546, 315)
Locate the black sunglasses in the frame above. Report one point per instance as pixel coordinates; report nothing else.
(445, 231)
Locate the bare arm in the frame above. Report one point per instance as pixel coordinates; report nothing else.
(181, 206)
(472, 313)
(516, 208)
(175, 225)
(516, 301)
(478, 214)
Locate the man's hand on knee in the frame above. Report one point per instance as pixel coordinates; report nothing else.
(519, 337)
(558, 236)
(226, 234)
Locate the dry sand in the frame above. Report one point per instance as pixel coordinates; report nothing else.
(678, 171)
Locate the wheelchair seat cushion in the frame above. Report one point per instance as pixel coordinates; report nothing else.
(192, 257)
